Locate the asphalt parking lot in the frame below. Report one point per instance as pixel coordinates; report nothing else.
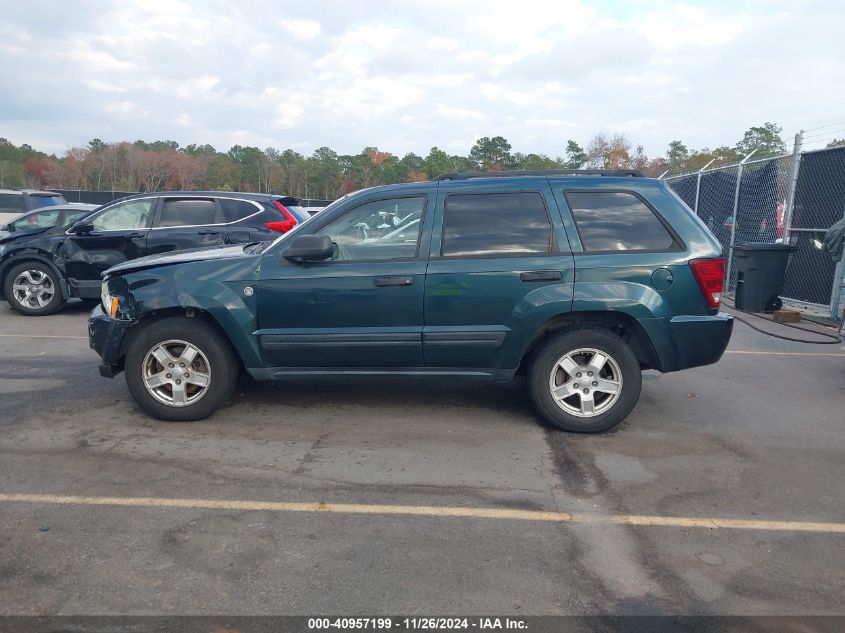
(722, 493)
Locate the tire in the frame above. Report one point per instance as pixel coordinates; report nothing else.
(577, 350)
(33, 289)
(160, 356)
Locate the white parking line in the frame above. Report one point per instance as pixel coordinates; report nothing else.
(741, 351)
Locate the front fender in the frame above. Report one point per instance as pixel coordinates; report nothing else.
(217, 291)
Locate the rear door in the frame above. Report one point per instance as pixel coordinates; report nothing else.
(119, 233)
(496, 255)
(184, 222)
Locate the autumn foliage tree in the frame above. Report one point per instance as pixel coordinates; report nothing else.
(163, 164)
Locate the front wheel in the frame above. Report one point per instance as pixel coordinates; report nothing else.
(32, 288)
(180, 369)
(585, 381)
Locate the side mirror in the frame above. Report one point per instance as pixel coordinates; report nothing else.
(81, 228)
(309, 248)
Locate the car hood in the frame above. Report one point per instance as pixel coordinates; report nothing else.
(180, 257)
(6, 236)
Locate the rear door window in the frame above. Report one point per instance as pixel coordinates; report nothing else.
(189, 212)
(495, 224)
(617, 221)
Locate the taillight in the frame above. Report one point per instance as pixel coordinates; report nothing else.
(282, 227)
(710, 275)
(285, 225)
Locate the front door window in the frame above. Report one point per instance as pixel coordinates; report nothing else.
(380, 230)
(132, 214)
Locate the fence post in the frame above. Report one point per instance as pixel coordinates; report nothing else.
(837, 295)
(793, 183)
(836, 298)
(733, 218)
(698, 185)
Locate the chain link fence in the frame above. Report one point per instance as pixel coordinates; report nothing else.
(750, 203)
(812, 276)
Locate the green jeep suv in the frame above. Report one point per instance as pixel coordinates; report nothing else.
(578, 280)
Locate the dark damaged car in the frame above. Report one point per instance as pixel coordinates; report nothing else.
(41, 269)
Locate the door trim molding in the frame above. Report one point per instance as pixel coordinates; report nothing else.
(299, 341)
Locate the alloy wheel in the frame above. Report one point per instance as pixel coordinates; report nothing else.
(176, 373)
(33, 289)
(585, 382)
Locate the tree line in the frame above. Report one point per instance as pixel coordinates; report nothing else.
(164, 165)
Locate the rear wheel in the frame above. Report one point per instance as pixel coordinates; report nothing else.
(32, 288)
(586, 381)
(180, 369)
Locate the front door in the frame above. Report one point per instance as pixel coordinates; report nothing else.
(364, 307)
(119, 234)
(186, 222)
(498, 257)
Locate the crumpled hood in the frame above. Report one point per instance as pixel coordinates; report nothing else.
(22, 234)
(179, 257)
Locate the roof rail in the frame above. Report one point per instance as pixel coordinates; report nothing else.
(539, 172)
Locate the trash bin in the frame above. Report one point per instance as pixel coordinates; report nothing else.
(760, 269)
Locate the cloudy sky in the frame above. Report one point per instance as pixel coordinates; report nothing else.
(405, 76)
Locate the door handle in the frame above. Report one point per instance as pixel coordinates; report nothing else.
(540, 275)
(209, 233)
(137, 234)
(389, 280)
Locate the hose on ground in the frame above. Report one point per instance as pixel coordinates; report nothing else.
(833, 338)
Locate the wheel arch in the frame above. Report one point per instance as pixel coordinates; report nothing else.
(8, 265)
(620, 323)
(156, 316)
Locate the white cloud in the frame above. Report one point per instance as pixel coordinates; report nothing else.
(401, 77)
(302, 29)
(102, 86)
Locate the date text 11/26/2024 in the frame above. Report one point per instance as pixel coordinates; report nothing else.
(417, 623)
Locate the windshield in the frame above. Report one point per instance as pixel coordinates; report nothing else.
(46, 200)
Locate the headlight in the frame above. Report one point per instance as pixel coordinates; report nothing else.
(110, 304)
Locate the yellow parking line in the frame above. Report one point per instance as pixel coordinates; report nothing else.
(432, 511)
(40, 336)
(739, 351)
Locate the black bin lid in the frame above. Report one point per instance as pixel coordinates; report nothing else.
(764, 246)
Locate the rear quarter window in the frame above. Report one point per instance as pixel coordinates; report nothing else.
(236, 210)
(618, 221)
